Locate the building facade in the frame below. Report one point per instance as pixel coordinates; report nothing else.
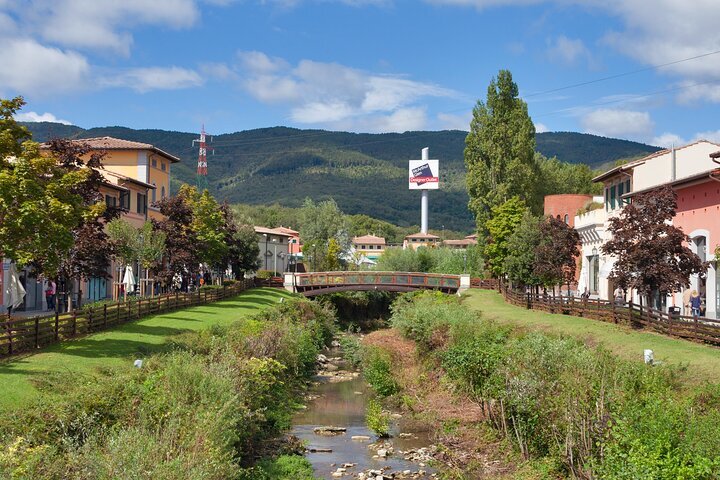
(369, 246)
(274, 249)
(691, 171)
(417, 240)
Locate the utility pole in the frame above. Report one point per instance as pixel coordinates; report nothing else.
(202, 167)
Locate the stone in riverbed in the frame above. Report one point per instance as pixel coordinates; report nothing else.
(328, 431)
(360, 438)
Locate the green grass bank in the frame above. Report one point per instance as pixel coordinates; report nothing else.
(120, 346)
(702, 361)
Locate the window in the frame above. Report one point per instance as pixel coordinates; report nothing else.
(162, 166)
(567, 219)
(613, 196)
(607, 198)
(162, 192)
(154, 161)
(110, 201)
(594, 280)
(154, 193)
(125, 200)
(141, 203)
(621, 190)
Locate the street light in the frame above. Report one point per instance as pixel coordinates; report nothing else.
(274, 242)
(266, 250)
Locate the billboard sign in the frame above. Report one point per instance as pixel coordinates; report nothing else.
(424, 175)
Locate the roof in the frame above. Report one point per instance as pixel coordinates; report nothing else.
(681, 182)
(715, 154)
(633, 164)
(123, 178)
(423, 235)
(472, 237)
(369, 239)
(271, 231)
(465, 241)
(289, 231)
(111, 143)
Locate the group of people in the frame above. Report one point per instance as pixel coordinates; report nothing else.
(693, 302)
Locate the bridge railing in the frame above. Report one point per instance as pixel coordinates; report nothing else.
(304, 281)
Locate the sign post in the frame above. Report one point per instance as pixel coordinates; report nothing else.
(424, 175)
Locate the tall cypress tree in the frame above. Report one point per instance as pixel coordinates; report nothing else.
(499, 151)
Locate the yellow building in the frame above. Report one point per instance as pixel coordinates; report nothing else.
(141, 162)
(369, 245)
(417, 240)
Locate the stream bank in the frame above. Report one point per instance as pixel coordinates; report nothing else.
(339, 443)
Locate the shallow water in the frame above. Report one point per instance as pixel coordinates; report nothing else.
(343, 404)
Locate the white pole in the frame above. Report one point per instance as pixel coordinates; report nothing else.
(424, 199)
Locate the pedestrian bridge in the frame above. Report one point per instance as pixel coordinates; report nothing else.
(320, 283)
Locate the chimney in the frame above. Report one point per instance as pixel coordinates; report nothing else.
(673, 164)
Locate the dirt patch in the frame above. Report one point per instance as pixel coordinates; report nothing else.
(468, 446)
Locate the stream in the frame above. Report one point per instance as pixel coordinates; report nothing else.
(339, 399)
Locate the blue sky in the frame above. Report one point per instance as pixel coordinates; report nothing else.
(364, 65)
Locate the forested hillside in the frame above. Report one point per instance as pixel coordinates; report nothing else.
(364, 173)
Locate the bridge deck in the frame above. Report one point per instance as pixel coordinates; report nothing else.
(319, 283)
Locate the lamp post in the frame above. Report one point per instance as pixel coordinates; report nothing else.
(274, 242)
(266, 250)
(314, 254)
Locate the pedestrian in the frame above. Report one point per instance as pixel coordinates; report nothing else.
(50, 295)
(619, 296)
(586, 294)
(695, 303)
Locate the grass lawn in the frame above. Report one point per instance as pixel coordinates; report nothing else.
(122, 345)
(703, 361)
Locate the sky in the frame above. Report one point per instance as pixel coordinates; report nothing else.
(644, 70)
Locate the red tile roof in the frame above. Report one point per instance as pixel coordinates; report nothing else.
(271, 231)
(369, 239)
(111, 143)
(423, 235)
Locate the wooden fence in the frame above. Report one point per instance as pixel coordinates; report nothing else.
(18, 335)
(631, 314)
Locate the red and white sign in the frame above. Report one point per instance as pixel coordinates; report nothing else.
(424, 175)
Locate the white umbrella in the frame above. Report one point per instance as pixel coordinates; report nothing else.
(129, 280)
(15, 291)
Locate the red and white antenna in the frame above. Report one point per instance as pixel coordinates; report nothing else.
(202, 167)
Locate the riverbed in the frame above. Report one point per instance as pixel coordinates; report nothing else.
(339, 399)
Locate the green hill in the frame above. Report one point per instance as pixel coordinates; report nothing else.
(364, 173)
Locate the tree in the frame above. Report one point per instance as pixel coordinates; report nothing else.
(522, 246)
(42, 198)
(555, 256)
(208, 223)
(499, 151)
(181, 244)
(504, 221)
(651, 254)
(556, 177)
(144, 245)
(319, 223)
(242, 242)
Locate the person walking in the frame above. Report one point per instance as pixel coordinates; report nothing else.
(50, 295)
(619, 296)
(695, 303)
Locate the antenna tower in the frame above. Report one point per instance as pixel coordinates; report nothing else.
(202, 168)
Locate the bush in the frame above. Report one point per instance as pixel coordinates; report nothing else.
(377, 420)
(200, 411)
(579, 411)
(378, 373)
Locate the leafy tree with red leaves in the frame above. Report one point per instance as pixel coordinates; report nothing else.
(557, 252)
(182, 256)
(651, 253)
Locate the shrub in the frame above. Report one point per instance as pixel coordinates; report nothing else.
(377, 371)
(377, 420)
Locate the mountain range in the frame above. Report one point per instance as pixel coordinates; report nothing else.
(365, 173)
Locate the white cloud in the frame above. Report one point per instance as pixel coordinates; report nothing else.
(154, 78)
(711, 135)
(609, 122)
(40, 117)
(541, 128)
(336, 95)
(101, 24)
(667, 140)
(28, 67)
(451, 121)
(692, 92)
(568, 51)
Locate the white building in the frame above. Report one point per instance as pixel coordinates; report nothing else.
(274, 246)
(677, 167)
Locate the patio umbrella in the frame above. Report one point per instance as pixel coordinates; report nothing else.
(129, 280)
(15, 290)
